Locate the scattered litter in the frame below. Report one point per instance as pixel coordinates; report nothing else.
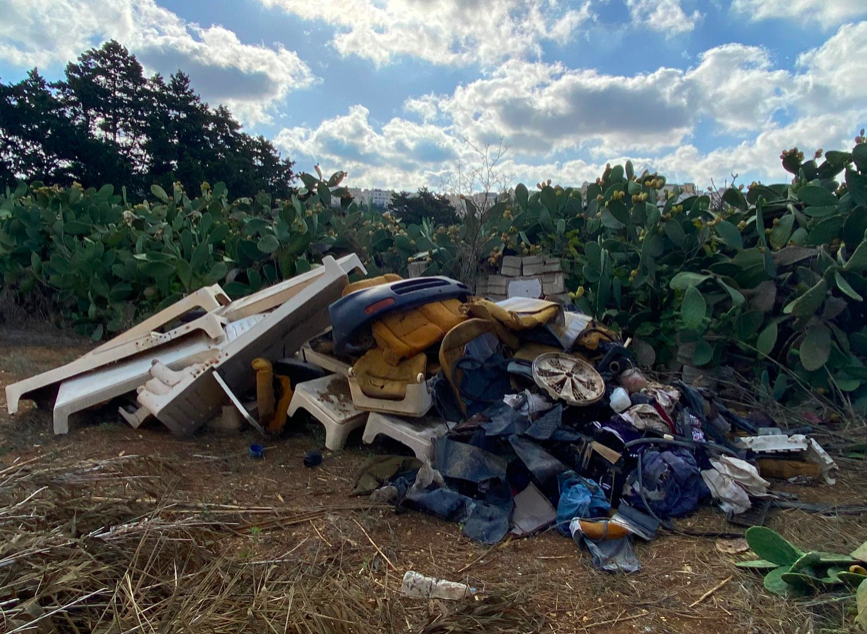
(816, 454)
(533, 512)
(776, 443)
(732, 546)
(610, 555)
(732, 482)
(528, 403)
(312, 459)
(619, 400)
(568, 378)
(785, 469)
(520, 415)
(579, 499)
(640, 524)
(417, 586)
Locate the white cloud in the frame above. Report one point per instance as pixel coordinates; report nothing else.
(835, 74)
(250, 79)
(425, 106)
(547, 107)
(406, 155)
(665, 16)
(547, 110)
(761, 156)
(736, 86)
(403, 155)
(827, 13)
(453, 32)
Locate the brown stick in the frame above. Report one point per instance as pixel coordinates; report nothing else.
(378, 549)
(483, 555)
(617, 620)
(711, 591)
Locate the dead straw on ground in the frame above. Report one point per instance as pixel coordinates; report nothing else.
(109, 546)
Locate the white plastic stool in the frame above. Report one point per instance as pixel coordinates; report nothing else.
(328, 400)
(418, 435)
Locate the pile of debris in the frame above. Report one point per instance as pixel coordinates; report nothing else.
(522, 414)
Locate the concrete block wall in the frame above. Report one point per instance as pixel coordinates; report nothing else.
(548, 270)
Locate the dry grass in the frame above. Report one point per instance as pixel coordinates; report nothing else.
(101, 546)
(116, 546)
(94, 537)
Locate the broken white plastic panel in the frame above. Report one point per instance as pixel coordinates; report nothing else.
(150, 346)
(815, 453)
(112, 381)
(208, 299)
(198, 396)
(325, 361)
(418, 435)
(775, 444)
(274, 296)
(328, 400)
(416, 403)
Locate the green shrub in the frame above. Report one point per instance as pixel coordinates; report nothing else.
(770, 281)
(107, 264)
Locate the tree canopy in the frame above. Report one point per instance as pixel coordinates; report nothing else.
(105, 122)
(413, 208)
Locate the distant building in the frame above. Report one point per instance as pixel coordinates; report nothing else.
(377, 197)
(686, 190)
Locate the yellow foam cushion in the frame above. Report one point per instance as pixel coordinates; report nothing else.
(522, 315)
(379, 379)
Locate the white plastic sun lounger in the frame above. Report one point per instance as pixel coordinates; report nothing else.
(116, 367)
(114, 380)
(194, 395)
(120, 348)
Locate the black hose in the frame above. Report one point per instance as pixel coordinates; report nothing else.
(681, 442)
(689, 444)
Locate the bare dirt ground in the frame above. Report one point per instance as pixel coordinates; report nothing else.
(272, 546)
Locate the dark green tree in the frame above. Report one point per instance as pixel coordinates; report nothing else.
(413, 208)
(178, 143)
(36, 138)
(105, 123)
(106, 92)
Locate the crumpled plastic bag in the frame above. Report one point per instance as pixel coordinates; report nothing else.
(732, 481)
(645, 417)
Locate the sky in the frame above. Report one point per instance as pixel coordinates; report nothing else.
(399, 93)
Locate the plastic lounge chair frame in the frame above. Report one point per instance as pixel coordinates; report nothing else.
(198, 396)
(111, 381)
(121, 364)
(351, 314)
(273, 296)
(338, 415)
(152, 344)
(417, 402)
